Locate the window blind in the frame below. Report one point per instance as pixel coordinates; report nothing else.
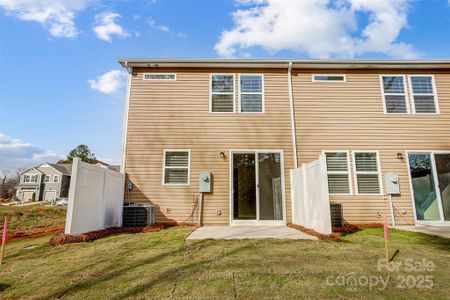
(222, 93)
(423, 94)
(394, 94)
(251, 93)
(338, 173)
(367, 173)
(176, 167)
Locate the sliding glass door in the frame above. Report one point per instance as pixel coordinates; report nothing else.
(442, 161)
(430, 181)
(257, 187)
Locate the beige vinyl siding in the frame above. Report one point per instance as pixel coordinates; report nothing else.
(350, 116)
(175, 115)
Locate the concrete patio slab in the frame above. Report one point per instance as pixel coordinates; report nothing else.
(248, 232)
(442, 231)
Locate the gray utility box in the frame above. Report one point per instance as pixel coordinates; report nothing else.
(392, 184)
(204, 182)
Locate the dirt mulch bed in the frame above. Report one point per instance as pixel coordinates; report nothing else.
(336, 237)
(338, 232)
(352, 228)
(62, 239)
(35, 232)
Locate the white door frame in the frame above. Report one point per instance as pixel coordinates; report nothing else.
(256, 222)
(442, 221)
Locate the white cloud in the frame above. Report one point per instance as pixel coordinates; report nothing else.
(152, 23)
(106, 26)
(55, 15)
(320, 28)
(15, 154)
(163, 28)
(110, 82)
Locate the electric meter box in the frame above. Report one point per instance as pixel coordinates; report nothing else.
(392, 184)
(204, 182)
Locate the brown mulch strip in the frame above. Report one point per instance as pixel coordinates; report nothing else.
(331, 237)
(352, 228)
(338, 232)
(35, 232)
(62, 239)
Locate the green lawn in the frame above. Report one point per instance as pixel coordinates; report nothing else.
(32, 216)
(164, 265)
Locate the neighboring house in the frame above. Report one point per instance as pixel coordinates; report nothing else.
(45, 182)
(250, 122)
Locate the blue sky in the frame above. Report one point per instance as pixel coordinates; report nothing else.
(60, 84)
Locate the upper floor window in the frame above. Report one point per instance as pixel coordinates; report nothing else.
(176, 167)
(222, 93)
(55, 178)
(251, 93)
(30, 178)
(159, 76)
(328, 78)
(423, 94)
(47, 178)
(394, 91)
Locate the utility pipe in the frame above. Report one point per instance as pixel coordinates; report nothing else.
(291, 101)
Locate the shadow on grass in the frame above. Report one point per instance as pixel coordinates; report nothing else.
(4, 286)
(169, 275)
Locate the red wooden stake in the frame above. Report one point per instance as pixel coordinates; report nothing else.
(5, 229)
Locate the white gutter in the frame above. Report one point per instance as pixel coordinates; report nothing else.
(291, 101)
(125, 118)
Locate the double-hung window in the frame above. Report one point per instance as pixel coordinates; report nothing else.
(222, 93)
(394, 91)
(251, 93)
(176, 167)
(367, 172)
(423, 94)
(47, 178)
(338, 172)
(26, 178)
(55, 178)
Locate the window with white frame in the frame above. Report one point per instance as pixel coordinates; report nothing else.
(328, 78)
(338, 172)
(176, 167)
(47, 178)
(394, 91)
(251, 93)
(30, 178)
(222, 93)
(367, 172)
(159, 76)
(55, 178)
(423, 94)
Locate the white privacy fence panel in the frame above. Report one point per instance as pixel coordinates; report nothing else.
(95, 198)
(310, 199)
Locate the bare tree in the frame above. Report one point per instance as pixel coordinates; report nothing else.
(9, 183)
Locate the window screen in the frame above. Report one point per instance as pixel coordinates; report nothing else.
(335, 78)
(394, 94)
(338, 173)
(159, 76)
(251, 93)
(423, 94)
(222, 93)
(176, 167)
(367, 173)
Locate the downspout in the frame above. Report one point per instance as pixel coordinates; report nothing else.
(291, 101)
(125, 118)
